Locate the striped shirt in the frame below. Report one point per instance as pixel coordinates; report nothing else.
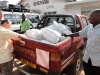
(5, 36)
(92, 49)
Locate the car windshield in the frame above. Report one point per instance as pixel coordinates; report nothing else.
(32, 18)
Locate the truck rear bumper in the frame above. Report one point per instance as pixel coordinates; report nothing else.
(23, 71)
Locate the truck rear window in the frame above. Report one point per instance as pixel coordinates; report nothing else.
(63, 20)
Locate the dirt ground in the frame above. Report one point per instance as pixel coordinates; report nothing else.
(29, 69)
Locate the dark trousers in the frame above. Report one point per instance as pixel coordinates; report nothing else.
(6, 68)
(91, 70)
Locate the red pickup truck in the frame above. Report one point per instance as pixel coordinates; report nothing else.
(62, 58)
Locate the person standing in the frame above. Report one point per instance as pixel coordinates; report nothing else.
(6, 34)
(25, 24)
(91, 58)
(1, 15)
(1, 18)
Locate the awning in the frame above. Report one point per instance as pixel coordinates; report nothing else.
(79, 2)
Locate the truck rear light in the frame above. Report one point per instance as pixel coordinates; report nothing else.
(55, 62)
(55, 56)
(55, 66)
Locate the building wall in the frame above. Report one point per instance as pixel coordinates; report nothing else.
(83, 8)
(52, 6)
(59, 7)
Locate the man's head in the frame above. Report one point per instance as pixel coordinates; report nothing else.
(95, 17)
(6, 24)
(23, 16)
(1, 15)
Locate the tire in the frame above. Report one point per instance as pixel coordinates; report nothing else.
(77, 67)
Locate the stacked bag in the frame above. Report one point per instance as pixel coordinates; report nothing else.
(50, 34)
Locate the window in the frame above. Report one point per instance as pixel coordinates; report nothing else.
(85, 23)
(64, 20)
(87, 10)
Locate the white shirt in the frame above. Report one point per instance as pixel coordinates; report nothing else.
(92, 49)
(5, 36)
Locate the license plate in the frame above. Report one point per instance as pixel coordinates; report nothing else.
(28, 63)
(44, 70)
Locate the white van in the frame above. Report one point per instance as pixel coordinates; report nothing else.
(15, 18)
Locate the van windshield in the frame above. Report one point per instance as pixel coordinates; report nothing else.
(14, 18)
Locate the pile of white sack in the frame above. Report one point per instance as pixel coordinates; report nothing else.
(50, 34)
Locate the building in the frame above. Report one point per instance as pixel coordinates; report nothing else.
(61, 6)
(82, 7)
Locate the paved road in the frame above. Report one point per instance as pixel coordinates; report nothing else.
(29, 69)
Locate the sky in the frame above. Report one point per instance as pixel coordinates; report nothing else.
(12, 1)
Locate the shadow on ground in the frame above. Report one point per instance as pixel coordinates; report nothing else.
(28, 69)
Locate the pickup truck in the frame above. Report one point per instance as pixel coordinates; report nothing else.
(62, 58)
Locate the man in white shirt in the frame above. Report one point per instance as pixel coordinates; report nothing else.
(1, 18)
(6, 34)
(91, 58)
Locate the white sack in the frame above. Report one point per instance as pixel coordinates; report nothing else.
(34, 34)
(67, 32)
(46, 41)
(51, 35)
(63, 38)
(51, 27)
(62, 28)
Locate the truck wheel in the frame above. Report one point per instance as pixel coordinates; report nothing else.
(77, 67)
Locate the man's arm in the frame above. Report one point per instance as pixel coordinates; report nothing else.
(32, 26)
(22, 36)
(72, 35)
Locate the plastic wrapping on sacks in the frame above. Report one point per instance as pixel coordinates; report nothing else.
(63, 38)
(61, 28)
(34, 34)
(67, 32)
(51, 35)
(51, 27)
(47, 42)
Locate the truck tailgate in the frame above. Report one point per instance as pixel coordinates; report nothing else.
(33, 53)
